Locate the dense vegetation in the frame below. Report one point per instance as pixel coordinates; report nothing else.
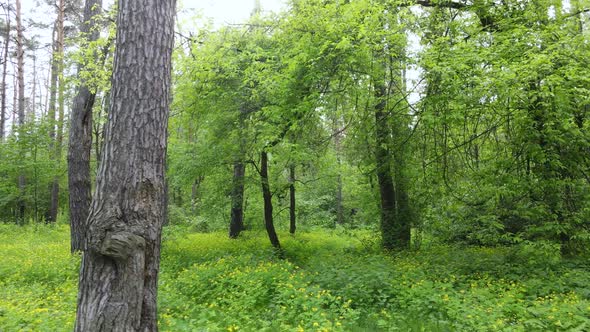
(416, 165)
(329, 281)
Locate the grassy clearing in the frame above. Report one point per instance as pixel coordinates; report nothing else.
(329, 282)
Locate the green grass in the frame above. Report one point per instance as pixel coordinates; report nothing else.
(329, 281)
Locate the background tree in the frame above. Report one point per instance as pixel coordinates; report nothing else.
(79, 176)
(56, 105)
(20, 87)
(5, 50)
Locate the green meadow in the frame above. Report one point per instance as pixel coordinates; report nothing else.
(328, 280)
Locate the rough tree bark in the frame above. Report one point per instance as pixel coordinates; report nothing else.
(119, 272)
(267, 197)
(79, 181)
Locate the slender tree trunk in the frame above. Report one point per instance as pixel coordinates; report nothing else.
(119, 272)
(292, 212)
(98, 128)
(20, 56)
(404, 215)
(236, 224)
(59, 80)
(14, 101)
(79, 180)
(20, 53)
(195, 194)
(53, 81)
(400, 132)
(389, 224)
(51, 210)
(4, 71)
(34, 89)
(267, 197)
(338, 149)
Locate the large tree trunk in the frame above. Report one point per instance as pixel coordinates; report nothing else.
(236, 224)
(79, 180)
(267, 197)
(292, 214)
(119, 272)
(4, 71)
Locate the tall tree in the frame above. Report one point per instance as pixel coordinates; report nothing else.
(267, 197)
(236, 224)
(80, 146)
(119, 272)
(292, 208)
(383, 161)
(4, 71)
(56, 107)
(20, 79)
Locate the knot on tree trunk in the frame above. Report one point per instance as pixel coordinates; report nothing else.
(121, 245)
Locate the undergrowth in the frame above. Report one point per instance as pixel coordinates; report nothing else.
(329, 281)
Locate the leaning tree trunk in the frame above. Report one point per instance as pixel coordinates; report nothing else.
(119, 272)
(79, 182)
(267, 197)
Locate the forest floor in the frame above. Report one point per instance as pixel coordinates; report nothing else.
(329, 281)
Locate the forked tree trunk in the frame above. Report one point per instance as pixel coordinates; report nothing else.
(267, 197)
(119, 272)
(79, 181)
